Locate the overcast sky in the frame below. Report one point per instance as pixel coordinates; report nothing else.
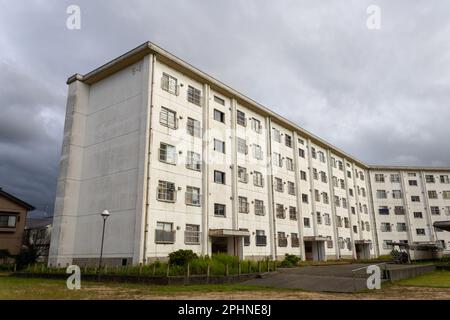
(381, 95)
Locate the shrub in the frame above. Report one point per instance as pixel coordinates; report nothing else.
(27, 256)
(289, 261)
(182, 257)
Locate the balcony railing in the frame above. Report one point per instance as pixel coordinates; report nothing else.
(282, 242)
(164, 237)
(261, 240)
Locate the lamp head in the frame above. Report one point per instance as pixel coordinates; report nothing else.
(105, 214)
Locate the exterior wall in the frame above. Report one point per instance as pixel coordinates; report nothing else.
(11, 238)
(111, 160)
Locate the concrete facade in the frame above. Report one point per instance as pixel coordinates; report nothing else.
(184, 162)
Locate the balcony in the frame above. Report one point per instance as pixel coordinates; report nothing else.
(164, 237)
(261, 241)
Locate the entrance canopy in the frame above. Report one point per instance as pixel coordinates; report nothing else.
(228, 233)
(443, 225)
(363, 241)
(315, 238)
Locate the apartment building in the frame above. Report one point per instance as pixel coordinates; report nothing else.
(183, 161)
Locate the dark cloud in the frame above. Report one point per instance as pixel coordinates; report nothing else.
(380, 95)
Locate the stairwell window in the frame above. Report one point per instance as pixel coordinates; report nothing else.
(193, 197)
(169, 84)
(396, 194)
(292, 213)
(429, 178)
(259, 208)
(280, 211)
(432, 194)
(277, 160)
(243, 205)
(256, 125)
(418, 215)
(303, 175)
(385, 227)
(194, 95)
(288, 140)
(379, 177)
(258, 179)
(219, 146)
(242, 174)
(289, 164)
(242, 146)
(219, 177)
(193, 161)
(219, 210)
(306, 223)
(257, 152)
(301, 153)
(240, 118)
(381, 194)
(219, 100)
(219, 116)
(435, 211)
(276, 135)
(319, 218)
(412, 183)
(168, 118)
(446, 195)
(166, 191)
(291, 188)
(192, 234)
(420, 232)
(279, 185)
(444, 179)
(395, 177)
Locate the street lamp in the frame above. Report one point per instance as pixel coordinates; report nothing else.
(105, 214)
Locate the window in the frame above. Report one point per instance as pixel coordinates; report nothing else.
(339, 221)
(282, 240)
(432, 194)
(365, 210)
(420, 232)
(321, 156)
(396, 194)
(383, 210)
(418, 215)
(166, 191)
(361, 175)
(319, 218)
(412, 182)
(349, 174)
(315, 174)
(341, 165)
(447, 210)
(435, 211)
(289, 164)
(329, 243)
(399, 210)
(379, 177)
(301, 153)
(429, 178)
(242, 174)
(219, 210)
(316, 195)
(306, 222)
(219, 116)
(446, 195)
(335, 181)
(280, 211)
(304, 198)
(192, 234)
(411, 174)
(355, 229)
(291, 188)
(256, 125)
(240, 118)
(415, 199)
(261, 239)
(303, 175)
(258, 179)
(219, 177)
(219, 145)
(276, 135)
(168, 118)
(326, 219)
(333, 162)
(193, 161)
(325, 198)
(401, 226)
(346, 223)
(323, 177)
(294, 240)
(385, 227)
(352, 209)
(193, 197)
(169, 84)
(301, 141)
(246, 238)
(381, 194)
(257, 152)
(277, 161)
(8, 220)
(349, 244)
(194, 95)
(444, 179)
(342, 183)
(259, 208)
(387, 244)
(279, 185)
(367, 226)
(193, 128)
(395, 177)
(313, 153)
(293, 213)
(164, 233)
(344, 203)
(219, 100)
(341, 243)
(167, 153)
(242, 146)
(243, 205)
(288, 140)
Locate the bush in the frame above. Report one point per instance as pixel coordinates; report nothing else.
(182, 257)
(290, 261)
(27, 256)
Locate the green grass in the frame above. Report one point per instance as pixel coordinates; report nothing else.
(12, 288)
(435, 279)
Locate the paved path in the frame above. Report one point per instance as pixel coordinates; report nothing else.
(330, 278)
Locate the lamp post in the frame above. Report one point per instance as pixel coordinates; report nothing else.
(105, 214)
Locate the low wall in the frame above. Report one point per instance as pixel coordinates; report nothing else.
(408, 272)
(157, 280)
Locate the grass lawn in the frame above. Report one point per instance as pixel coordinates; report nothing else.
(435, 279)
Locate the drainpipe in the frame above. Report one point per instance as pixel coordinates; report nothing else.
(271, 206)
(372, 213)
(333, 206)
(350, 220)
(298, 197)
(205, 171)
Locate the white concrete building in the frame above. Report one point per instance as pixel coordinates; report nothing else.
(184, 162)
